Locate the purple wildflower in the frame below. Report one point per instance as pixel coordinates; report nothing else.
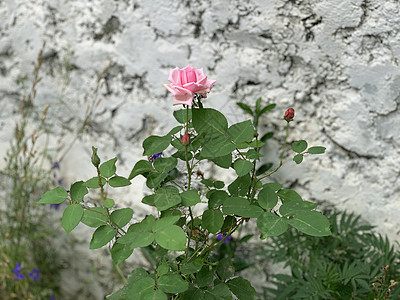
(35, 274)
(152, 158)
(17, 272)
(52, 297)
(55, 165)
(55, 206)
(222, 236)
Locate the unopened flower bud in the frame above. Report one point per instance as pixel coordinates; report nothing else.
(186, 139)
(95, 157)
(289, 114)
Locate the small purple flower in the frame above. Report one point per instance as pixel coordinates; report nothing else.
(152, 158)
(222, 236)
(52, 297)
(17, 272)
(55, 165)
(35, 274)
(55, 206)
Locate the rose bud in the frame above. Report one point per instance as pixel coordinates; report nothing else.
(186, 139)
(289, 114)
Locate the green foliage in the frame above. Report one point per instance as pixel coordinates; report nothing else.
(341, 266)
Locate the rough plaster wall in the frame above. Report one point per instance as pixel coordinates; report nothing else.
(334, 61)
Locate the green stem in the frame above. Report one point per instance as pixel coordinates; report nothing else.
(118, 269)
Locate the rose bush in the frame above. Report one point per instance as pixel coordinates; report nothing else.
(187, 82)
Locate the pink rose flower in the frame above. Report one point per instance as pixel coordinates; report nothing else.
(186, 139)
(187, 82)
(289, 114)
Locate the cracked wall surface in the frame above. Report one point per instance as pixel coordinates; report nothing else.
(336, 62)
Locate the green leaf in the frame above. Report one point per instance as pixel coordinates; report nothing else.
(241, 132)
(316, 150)
(145, 225)
(166, 197)
(257, 144)
(267, 198)
(258, 105)
(242, 289)
(271, 225)
(298, 158)
(153, 295)
(212, 220)
(204, 277)
(273, 185)
(245, 107)
(225, 268)
(223, 161)
(190, 198)
(108, 203)
(78, 191)
(241, 207)
(172, 237)
(154, 179)
(137, 239)
(267, 108)
(209, 121)
(240, 186)
(266, 136)
(172, 283)
(149, 200)
(141, 167)
(218, 184)
(207, 182)
(168, 217)
(102, 236)
(289, 195)
(192, 267)
(219, 291)
(119, 181)
(228, 223)
(95, 217)
(291, 208)
(311, 223)
(162, 269)
(138, 289)
(120, 252)
(156, 144)
(108, 168)
(181, 115)
(71, 217)
(122, 216)
(216, 198)
(217, 146)
(263, 169)
(174, 130)
(299, 146)
(164, 165)
(93, 183)
(253, 154)
(242, 167)
(55, 196)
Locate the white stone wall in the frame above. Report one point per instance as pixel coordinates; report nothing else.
(335, 61)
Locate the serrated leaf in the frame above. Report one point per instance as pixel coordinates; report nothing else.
(298, 158)
(241, 207)
(71, 217)
(141, 167)
(166, 197)
(267, 198)
(55, 196)
(311, 223)
(155, 144)
(95, 217)
(93, 182)
(181, 115)
(299, 146)
(102, 236)
(242, 167)
(209, 121)
(172, 283)
(316, 150)
(122, 216)
(108, 168)
(119, 181)
(225, 268)
(78, 191)
(241, 132)
(271, 225)
(242, 289)
(172, 237)
(164, 165)
(212, 220)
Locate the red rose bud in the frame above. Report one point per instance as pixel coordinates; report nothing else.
(289, 114)
(186, 139)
